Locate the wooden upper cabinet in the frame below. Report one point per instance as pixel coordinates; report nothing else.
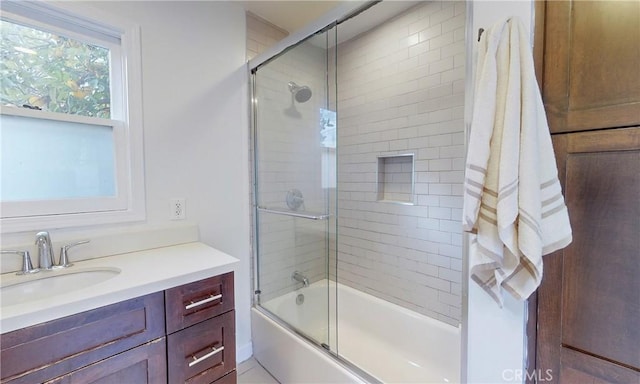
(589, 299)
(590, 73)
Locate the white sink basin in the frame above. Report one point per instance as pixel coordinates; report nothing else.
(44, 284)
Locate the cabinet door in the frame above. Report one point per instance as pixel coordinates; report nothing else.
(591, 63)
(43, 351)
(589, 300)
(144, 364)
(203, 352)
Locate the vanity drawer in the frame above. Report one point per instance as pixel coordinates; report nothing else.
(203, 352)
(146, 364)
(198, 301)
(230, 378)
(55, 348)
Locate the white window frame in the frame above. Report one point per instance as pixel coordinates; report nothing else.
(93, 27)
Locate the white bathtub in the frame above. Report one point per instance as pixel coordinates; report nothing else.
(391, 343)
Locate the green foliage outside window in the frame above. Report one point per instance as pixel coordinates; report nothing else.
(41, 70)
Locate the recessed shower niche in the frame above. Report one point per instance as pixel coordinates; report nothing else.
(396, 178)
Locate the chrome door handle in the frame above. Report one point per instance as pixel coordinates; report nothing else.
(203, 301)
(197, 360)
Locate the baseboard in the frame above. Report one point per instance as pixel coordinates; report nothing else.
(244, 352)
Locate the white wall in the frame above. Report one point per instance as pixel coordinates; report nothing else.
(495, 336)
(195, 126)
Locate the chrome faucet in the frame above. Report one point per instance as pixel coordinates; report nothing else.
(45, 250)
(27, 266)
(299, 277)
(64, 257)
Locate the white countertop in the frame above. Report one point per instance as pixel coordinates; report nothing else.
(142, 272)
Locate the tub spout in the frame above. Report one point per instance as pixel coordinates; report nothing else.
(300, 278)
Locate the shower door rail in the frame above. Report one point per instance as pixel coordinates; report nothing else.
(284, 212)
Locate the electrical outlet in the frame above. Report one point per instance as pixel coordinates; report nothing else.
(178, 209)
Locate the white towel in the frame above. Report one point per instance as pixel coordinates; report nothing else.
(513, 203)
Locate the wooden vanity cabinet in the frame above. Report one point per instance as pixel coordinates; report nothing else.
(128, 342)
(201, 331)
(49, 350)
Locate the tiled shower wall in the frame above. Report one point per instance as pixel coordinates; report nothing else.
(289, 157)
(401, 91)
(261, 35)
(287, 244)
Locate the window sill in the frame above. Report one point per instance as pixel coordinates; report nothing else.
(35, 223)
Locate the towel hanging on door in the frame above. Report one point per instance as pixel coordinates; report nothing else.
(513, 203)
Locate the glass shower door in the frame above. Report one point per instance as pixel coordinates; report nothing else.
(294, 139)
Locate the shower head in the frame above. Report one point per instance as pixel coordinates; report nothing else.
(300, 93)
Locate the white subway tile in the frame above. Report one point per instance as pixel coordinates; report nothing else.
(440, 213)
(429, 154)
(453, 151)
(458, 164)
(440, 116)
(439, 284)
(439, 260)
(453, 74)
(451, 251)
(429, 57)
(459, 60)
(439, 237)
(431, 32)
(456, 264)
(419, 25)
(456, 239)
(451, 226)
(450, 275)
(442, 190)
(458, 138)
(441, 41)
(439, 17)
(440, 165)
(453, 23)
(449, 298)
(428, 223)
(453, 49)
(429, 200)
(428, 271)
(430, 81)
(431, 8)
(418, 49)
(451, 201)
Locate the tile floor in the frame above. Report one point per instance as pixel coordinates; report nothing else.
(251, 372)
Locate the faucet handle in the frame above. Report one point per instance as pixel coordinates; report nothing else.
(27, 266)
(64, 258)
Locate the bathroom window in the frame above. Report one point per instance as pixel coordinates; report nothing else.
(70, 123)
(328, 125)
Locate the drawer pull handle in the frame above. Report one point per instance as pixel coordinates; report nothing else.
(196, 360)
(204, 301)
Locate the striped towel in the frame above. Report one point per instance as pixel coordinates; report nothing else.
(513, 203)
